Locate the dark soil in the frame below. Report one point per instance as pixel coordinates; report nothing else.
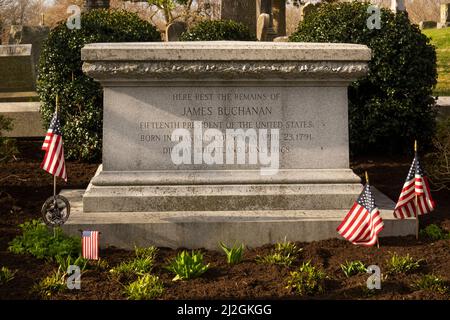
(24, 188)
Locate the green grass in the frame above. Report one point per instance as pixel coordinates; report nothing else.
(441, 39)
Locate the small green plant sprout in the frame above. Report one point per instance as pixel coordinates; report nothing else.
(187, 266)
(431, 282)
(351, 268)
(307, 280)
(52, 284)
(134, 267)
(6, 275)
(64, 263)
(149, 252)
(146, 287)
(402, 264)
(142, 264)
(284, 253)
(434, 233)
(234, 254)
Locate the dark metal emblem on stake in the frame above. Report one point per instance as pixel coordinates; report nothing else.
(56, 211)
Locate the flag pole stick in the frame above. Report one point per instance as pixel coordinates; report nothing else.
(54, 177)
(415, 198)
(367, 182)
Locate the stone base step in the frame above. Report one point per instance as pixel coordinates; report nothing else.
(206, 229)
(26, 119)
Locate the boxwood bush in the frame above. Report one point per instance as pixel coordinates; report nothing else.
(393, 104)
(81, 98)
(216, 30)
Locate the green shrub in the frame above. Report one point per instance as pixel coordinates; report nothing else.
(81, 98)
(431, 282)
(402, 264)
(6, 275)
(50, 285)
(39, 241)
(234, 254)
(434, 233)
(285, 253)
(307, 280)
(393, 104)
(437, 161)
(8, 148)
(187, 266)
(215, 30)
(145, 288)
(351, 268)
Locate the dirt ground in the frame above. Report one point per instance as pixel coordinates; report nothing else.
(24, 188)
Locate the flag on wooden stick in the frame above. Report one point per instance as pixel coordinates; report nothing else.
(53, 146)
(363, 222)
(415, 198)
(90, 245)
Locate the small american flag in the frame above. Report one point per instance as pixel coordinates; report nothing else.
(90, 245)
(363, 222)
(53, 161)
(416, 185)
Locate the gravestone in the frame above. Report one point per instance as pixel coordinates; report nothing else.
(262, 27)
(243, 11)
(279, 17)
(445, 14)
(427, 24)
(34, 35)
(174, 31)
(97, 4)
(222, 141)
(398, 6)
(17, 71)
(17, 85)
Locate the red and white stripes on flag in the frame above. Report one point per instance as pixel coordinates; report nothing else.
(90, 245)
(54, 162)
(416, 185)
(363, 222)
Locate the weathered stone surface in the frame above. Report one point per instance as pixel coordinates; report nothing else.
(34, 35)
(175, 30)
(201, 229)
(262, 26)
(445, 14)
(153, 89)
(26, 119)
(243, 11)
(17, 72)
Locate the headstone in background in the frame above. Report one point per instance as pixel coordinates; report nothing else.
(445, 14)
(17, 71)
(34, 35)
(17, 85)
(398, 6)
(427, 24)
(97, 4)
(174, 31)
(262, 26)
(279, 17)
(243, 11)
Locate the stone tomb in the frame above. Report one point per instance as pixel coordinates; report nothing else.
(290, 97)
(17, 73)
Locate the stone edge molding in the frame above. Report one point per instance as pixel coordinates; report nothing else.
(223, 70)
(225, 60)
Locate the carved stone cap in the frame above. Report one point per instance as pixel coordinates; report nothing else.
(224, 60)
